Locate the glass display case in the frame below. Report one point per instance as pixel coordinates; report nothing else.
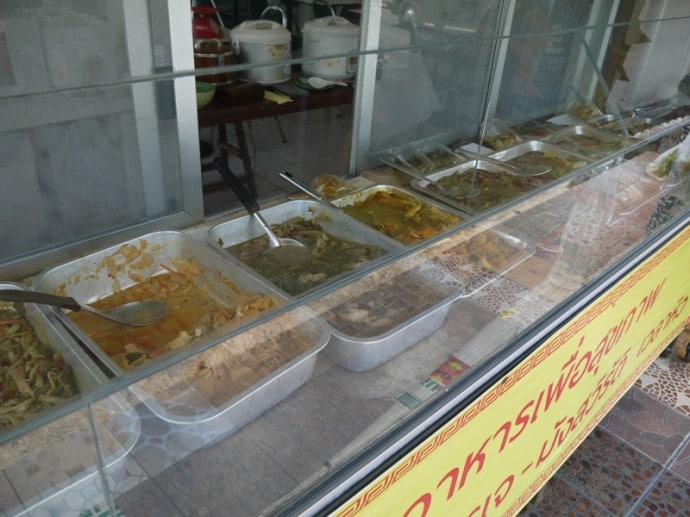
(513, 164)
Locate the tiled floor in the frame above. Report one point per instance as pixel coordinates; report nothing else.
(635, 463)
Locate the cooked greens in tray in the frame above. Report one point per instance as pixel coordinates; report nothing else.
(330, 256)
(560, 164)
(485, 189)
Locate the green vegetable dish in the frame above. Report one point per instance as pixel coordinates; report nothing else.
(34, 377)
(330, 256)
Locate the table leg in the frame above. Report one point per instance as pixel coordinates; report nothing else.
(241, 151)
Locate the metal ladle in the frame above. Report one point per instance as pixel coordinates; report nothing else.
(135, 314)
(282, 249)
(305, 188)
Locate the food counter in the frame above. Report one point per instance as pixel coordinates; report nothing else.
(488, 279)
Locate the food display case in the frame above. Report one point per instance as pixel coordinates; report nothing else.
(518, 198)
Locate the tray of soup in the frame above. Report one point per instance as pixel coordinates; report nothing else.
(399, 214)
(208, 295)
(338, 244)
(420, 160)
(476, 186)
(532, 153)
(589, 141)
(41, 366)
(379, 316)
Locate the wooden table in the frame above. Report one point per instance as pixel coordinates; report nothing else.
(219, 114)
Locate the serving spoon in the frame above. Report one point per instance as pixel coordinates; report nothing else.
(305, 188)
(319, 83)
(282, 249)
(135, 314)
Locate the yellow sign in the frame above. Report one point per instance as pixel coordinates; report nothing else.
(496, 454)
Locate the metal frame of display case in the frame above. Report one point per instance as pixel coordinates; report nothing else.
(357, 471)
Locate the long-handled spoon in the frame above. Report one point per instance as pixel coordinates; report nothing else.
(136, 314)
(305, 188)
(282, 249)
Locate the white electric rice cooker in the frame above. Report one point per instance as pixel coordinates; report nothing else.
(263, 42)
(330, 36)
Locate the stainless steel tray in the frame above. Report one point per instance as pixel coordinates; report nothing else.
(204, 395)
(466, 262)
(577, 160)
(462, 202)
(331, 220)
(103, 272)
(364, 331)
(606, 142)
(633, 124)
(420, 160)
(500, 136)
(361, 195)
(44, 321)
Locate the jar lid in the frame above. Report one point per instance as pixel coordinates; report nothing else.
(332, 26)
(261, 31)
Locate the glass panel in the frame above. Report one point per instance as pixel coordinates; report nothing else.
(438, 85)
(86, 152)
(301, 390)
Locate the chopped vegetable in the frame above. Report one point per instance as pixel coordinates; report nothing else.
(32, 376)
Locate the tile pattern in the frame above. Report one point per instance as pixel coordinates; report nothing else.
(647, 424)
(668, 379)
(637, 461)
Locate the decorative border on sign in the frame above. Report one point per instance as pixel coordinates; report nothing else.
(514, 377)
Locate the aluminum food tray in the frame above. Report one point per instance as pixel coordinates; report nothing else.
(544, 147)
(88, 279)
(331, 220)
(428, 189)
(360, 354)
(452, 267)
(564, 139)
(54, 459)
(361, 195)
(612, 123)
(173, 395)
(432, 156)
(44, 321)
(409, 159)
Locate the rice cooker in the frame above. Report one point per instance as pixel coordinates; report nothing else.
(329, 36)
(263, 42)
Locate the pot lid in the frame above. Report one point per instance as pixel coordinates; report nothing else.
(260, 31)
(332, 26)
